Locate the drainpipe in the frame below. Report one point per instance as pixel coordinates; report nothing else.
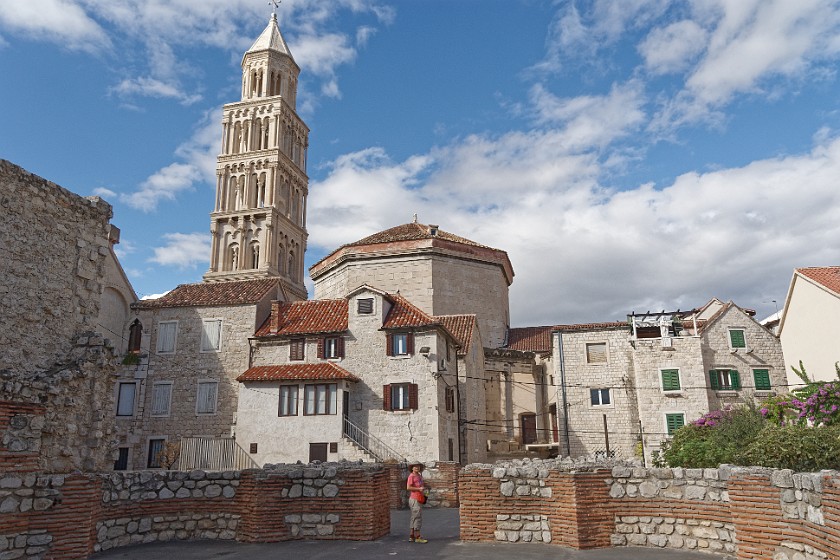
(461, 424)
(563, 388)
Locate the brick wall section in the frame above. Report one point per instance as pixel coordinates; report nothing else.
(18, 426)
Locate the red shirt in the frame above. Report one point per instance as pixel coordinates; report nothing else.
(416, 481)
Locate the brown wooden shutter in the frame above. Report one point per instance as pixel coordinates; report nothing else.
(321, 348)
(409, 343)
(412, 396)
(341, 347)
(386, 397)
(390, 344)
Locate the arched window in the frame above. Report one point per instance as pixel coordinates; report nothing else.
(255, 255)
(232, 257)
(135, 336)
(281, 259)
(265, 134)
(290, 269)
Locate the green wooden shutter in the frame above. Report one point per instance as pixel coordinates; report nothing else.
(674, 422)
(737, 339)
(670, 380)
(762, 379)
(735, 379)
(713, 379)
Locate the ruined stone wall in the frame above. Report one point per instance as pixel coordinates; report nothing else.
(441, 479)
(53, 245)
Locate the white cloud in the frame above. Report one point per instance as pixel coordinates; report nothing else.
(673, 47)
(151, 87)
(105, 193)
(183, 250)
(58, 21)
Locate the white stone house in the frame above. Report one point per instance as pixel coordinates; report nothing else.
(370, 368)
(810, 324)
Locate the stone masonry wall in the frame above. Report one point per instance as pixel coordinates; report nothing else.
(440, 477)
(59, 516)
(53, 245)
(736, 512)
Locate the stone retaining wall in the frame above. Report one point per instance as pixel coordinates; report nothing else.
(441, 478)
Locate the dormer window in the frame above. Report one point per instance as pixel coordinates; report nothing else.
(364, 306)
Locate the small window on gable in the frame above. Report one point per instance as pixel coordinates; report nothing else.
(400, 344)
(297, 348)
(211, 335)
(167, 331)
(762, 379)
(364, 306)
(724, 379)
(671, 380)
(674, 422)
(599, 397)
(737, 339)
(596, 353)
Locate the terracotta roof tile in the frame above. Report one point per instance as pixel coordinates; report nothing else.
(291, 372)
(826, 276)
(243, 292)
(461, 327)
(405, 314)
(411, 232)
(530, 339)
(306, 317)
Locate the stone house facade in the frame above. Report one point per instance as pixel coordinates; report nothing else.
(326, 374)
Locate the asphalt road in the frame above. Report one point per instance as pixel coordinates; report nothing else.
(440, 526)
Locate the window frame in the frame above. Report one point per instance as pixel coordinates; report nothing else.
(765, 371)
(668, 432)
(412, 395)
(588, 355)
(297, 349)
(152, 460)
(122, 461)
(743, 332)
(330, 401)
(158, 342)
(719, 374)
(120, 386)
(152, 412)
(671, 391)
(361, 307)
(285, 400)
(393, 346)
(331, 347)
(449, 399)
(204, 336)
(198, 400)
(600, 391)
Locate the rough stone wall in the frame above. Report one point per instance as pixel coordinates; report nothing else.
(53, 245)
(473, 403)
(764, 351)
(61, 419)
(185, 368)
(585, 420)
(441, 479)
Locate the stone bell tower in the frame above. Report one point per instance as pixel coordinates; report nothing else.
(259, 220)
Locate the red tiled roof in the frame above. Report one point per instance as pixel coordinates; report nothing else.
(242, 292)
(405, 314)
(461, 327)
(593, 326)
(291, 372)
(307, 317)
(826, 276)
(411, 232)
(530, 339)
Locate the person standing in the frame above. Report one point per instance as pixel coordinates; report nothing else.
(416, 499)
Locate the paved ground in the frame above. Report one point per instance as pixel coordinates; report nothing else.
(440, 527)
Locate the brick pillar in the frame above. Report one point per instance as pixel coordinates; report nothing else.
(756, 511)
(72, 522)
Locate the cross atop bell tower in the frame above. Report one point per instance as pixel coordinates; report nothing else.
(258, 225)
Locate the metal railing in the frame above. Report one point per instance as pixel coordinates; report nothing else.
(214, 454)
(374, 446)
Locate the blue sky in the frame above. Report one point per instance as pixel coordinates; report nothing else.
(635, 155)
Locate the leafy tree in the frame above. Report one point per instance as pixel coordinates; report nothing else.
(716, 437)
(801, 448)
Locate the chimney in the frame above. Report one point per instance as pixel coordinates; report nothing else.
(275, 316)
(433, 230)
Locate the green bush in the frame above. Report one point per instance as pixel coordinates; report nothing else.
(801, 448)
(718, 437)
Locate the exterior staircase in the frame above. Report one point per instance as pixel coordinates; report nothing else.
(370, 446)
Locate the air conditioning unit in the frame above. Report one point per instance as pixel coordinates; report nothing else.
(442, 365)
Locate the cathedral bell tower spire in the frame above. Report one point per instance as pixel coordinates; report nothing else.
(258, 225)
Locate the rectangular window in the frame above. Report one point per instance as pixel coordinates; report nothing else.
(450, 399)
(121, 463)
(365, 306)
(596, 353)
(320, 399)
(400, 344)
(332, 347)
(211, 335)
(724, 379)
(400, 396)
(670, 380)
(674, 422)
(737, 339)
(288, 400)
(297, 348)
(206, 397)
(155, 449)
(125, 399)
(599, 397)
(762, 379)
(167, 331)
(161, 398)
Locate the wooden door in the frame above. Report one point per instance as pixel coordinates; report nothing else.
(318, 452)
(528, 422)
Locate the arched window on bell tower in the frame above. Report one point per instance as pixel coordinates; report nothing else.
(135, 336)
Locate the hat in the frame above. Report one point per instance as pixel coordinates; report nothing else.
(413, 464)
